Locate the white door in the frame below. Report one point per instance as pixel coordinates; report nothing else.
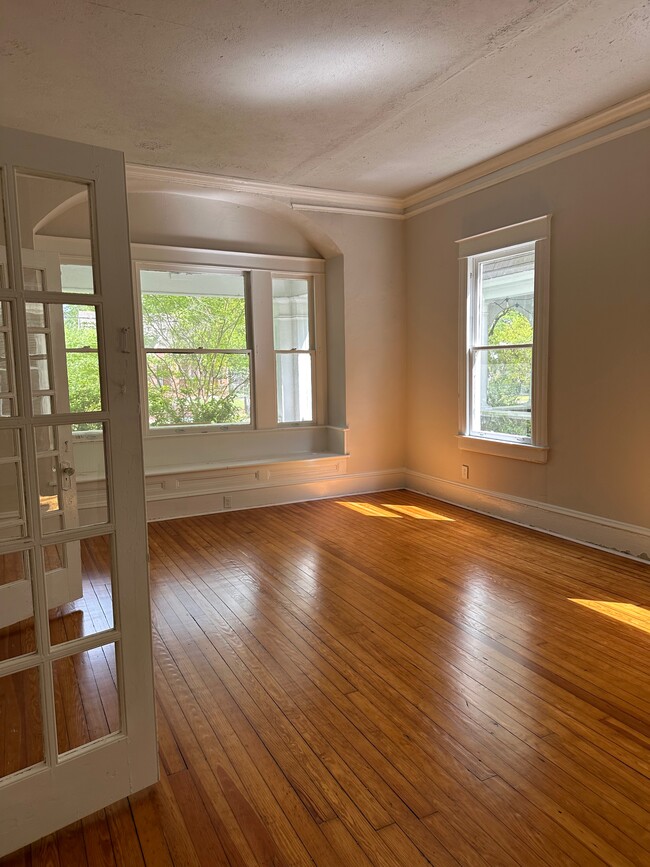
(76, 684)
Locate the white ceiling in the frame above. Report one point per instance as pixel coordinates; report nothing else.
(377, 96)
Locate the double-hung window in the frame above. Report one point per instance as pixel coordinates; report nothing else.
(293, 342)
(504, 323)
(197, 347)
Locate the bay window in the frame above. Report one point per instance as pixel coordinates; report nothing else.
(230, 349)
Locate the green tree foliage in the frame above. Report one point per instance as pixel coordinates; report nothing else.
(83, 367)
(210, 388)
(508, 373)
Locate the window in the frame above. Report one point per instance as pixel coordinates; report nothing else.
(504, 322)
(196, 345)
(227, 343)
(233, 349)
(293, 344)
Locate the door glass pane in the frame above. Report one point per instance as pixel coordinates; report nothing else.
(291, 313)
(79, 583)
(506, 299)
(64, 361)
(17, 635)
(71, 478)
(33, 279)
(54, 207)
(86, 697)
(7, 389)
(13, 567)
(12, 510)
(77, 277)
(4, 273)
(502, 392)
(293, 375)
(22, 726)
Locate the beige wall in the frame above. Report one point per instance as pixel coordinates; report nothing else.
(599, 363)
(375, 359)
(365, 305)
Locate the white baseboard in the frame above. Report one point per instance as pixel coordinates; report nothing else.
(614, 536)
(164, 507)
(188, 494)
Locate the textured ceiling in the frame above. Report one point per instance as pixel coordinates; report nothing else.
(363, 95)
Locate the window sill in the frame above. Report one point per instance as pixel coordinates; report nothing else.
(503, 449)
(216, 466)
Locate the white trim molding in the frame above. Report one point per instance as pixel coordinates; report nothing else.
(302, 198)
(531, 235)
(614, 122)
(593, 530)
(619, 120)
(502, 449)
(194, 494)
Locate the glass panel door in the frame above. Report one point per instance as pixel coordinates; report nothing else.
(76, 683)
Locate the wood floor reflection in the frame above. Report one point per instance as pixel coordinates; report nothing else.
(384, 680)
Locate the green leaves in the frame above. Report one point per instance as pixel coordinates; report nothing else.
(196, 388)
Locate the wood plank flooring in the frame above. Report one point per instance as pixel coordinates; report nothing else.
(386, 680)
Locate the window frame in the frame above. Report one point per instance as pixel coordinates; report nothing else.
(311, 352)
(187, 268)
(530, 235)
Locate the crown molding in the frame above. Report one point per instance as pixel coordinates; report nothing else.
(619, 120)
(614, 122)
(300, 198)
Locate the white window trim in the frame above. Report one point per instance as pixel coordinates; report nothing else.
(260, 269)
(537, 231)
(155, 265)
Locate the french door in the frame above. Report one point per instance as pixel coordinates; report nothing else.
(77, 723)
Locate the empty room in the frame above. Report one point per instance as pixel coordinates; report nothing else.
(324, 433)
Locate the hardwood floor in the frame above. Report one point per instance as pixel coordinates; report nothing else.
(386, 680)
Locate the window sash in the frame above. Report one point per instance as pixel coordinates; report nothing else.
(471, 337)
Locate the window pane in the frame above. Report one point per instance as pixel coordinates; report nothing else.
(291, 313)
(22, 726)
(293, 371)
(502, 392)
(198, 388)
(204, 310)
(506, 299)
(77, 277)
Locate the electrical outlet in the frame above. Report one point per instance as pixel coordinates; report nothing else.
(464, 471)
(227, 502)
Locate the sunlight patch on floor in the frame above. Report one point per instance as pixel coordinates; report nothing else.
(624, 612)
(418, 512)
(393, 510)
(368, 509)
